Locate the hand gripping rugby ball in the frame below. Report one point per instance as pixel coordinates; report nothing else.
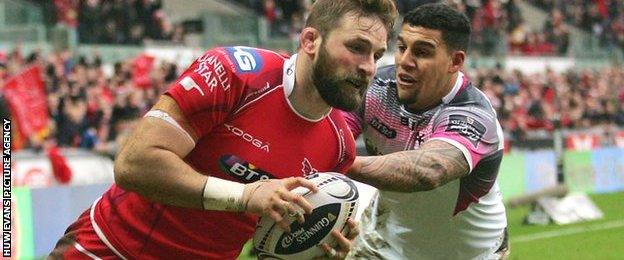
(334, 203)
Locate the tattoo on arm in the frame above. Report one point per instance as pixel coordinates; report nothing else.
(434, 164)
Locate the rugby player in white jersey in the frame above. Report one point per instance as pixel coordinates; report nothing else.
(437, 145)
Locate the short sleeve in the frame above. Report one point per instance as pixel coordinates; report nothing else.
(475, 132)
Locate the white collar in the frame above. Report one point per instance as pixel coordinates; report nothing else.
(458, 84)
(288, 74)
(288, 82)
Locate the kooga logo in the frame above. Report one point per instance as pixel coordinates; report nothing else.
(247, 137)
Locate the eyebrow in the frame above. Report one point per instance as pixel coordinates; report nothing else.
(419, 43)
(360, 40)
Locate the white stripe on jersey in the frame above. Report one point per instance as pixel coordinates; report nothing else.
(254, 100)
(85, 251)
(99, 232)
(288, 83)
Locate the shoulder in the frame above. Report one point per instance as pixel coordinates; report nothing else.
(385, 75)
(258, 70)
(247, 61)
(470, 114)
(472, 101)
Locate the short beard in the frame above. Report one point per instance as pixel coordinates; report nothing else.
(407, 101)
(335, 89)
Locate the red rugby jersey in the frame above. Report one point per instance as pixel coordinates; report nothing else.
(236, 101)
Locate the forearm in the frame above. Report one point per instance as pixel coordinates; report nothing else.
(433, 165)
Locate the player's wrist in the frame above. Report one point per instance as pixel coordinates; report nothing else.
(223, 195)
(250, 189)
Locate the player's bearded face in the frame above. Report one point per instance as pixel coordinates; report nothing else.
(340, 90)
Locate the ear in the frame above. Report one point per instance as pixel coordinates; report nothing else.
(457, 61)
(309, 39)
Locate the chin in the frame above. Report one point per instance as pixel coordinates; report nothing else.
(406, 98)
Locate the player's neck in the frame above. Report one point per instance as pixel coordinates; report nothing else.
(305, 98)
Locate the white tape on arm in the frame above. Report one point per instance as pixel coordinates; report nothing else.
(224, 195)
(167, 118)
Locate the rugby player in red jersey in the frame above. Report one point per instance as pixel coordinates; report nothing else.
(232, 136)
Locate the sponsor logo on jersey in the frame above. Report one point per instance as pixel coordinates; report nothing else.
(307, 169)
(248, 137)
(382, 128)
(242, 170)
(247, 59)
(311, 232)
(211, 71)
(189, 84)
(467, 127)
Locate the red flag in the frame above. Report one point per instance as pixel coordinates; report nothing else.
(26, 95)
(66, 12)
(60, 169)
(142, 67)
(602, 8)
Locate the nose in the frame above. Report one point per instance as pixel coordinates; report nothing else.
(405, 60)
(367, 66)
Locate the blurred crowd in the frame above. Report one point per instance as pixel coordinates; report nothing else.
(94, 105)
(88, 107)
(114, 21)
(498, 26)
(603, 19)
(125, 22)
(530, 104)
(93, 109)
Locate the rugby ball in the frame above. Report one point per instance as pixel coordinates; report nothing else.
(334, 203)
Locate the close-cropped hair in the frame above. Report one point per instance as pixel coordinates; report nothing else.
(454, 25)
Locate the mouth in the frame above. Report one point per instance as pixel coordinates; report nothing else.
(358, 84)
(405, 79)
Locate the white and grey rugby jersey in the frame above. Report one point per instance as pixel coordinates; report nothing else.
(464, 219)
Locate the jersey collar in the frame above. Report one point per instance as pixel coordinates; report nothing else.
(288, 82)
(459, 85)
(288, 74)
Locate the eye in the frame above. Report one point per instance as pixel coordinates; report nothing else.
(421, 53)
(356, 48)
(401, 48)
(378, 56)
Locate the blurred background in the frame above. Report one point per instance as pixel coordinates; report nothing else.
(76, 75)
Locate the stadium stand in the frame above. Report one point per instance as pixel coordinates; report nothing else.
(92, 103)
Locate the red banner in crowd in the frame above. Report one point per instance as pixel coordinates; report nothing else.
(142, 67)
(582, 142)
(26, 95)
(66, 12)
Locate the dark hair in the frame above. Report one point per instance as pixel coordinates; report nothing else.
(455, 26)
(326, 14)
